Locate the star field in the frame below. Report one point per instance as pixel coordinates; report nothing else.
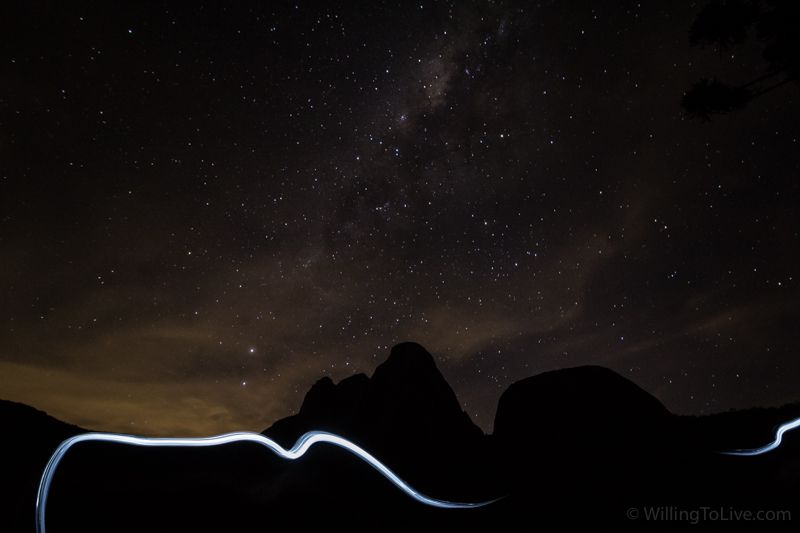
(205, 208)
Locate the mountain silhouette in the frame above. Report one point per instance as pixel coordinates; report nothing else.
(570, 431)
(406, 414)
(588, 412)
(576, 446)
(592, 404)
(29, 437)
(406, 394)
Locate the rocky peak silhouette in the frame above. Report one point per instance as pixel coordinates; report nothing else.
(406, 395)
(406, 414)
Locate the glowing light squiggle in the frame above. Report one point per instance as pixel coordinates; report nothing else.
(298, 450)
(788, 426)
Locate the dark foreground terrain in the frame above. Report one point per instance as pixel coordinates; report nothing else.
(574, 447)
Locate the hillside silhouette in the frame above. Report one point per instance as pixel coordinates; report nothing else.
(572, 447)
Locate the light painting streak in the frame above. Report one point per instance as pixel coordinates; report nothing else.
(788, 426)
(298, 450)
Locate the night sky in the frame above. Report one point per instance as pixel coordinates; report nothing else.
(204, 209)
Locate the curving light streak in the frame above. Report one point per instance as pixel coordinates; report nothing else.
(298, 450)
(295, 452)
(788, 426)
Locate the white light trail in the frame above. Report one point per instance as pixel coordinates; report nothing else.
(788, 426)
(298, 450)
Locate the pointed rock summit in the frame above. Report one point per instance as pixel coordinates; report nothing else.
(408, 359)
(409, 394)
(406, 414)
(406, 399)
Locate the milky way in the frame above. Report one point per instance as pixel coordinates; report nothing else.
(204, 209)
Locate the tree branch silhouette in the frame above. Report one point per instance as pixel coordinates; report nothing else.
(728, 23)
